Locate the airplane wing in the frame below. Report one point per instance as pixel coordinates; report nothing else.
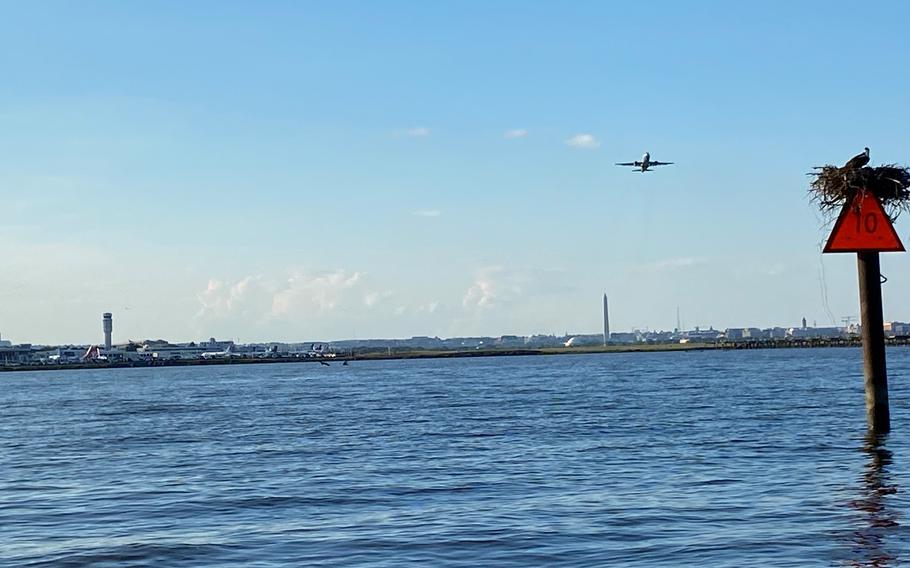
(661, 163)
(629, 163)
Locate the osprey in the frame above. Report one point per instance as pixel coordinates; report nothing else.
(858, 161)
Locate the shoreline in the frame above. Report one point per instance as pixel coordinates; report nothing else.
(380, 355)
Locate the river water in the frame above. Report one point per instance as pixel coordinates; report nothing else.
(749, 458)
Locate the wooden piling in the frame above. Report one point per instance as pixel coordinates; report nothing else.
(878, 413)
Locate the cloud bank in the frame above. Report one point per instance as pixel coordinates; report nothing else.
(344, 304)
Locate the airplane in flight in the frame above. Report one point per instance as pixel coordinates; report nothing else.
(645, 164)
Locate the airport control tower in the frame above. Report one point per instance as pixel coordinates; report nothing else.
(107, 322)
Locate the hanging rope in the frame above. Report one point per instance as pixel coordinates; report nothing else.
(823, 284)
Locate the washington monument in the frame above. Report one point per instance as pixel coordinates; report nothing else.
(606, 322)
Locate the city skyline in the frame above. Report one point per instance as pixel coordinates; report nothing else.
(300, 172)
(109, 341)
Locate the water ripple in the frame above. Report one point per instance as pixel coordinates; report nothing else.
(646, 459)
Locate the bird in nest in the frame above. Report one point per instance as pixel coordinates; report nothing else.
(857, 161)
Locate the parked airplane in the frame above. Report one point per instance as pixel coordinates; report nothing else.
(94, 354)
(645, 164)
(228, 353)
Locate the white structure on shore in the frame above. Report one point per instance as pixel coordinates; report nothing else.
(606, 321)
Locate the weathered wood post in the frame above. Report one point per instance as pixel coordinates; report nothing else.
(863, 227)
(878, 413)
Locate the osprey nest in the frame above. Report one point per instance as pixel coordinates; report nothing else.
(833, 186)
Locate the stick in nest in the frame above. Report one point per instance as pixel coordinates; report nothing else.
(833, 186)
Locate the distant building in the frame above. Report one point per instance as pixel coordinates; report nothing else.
(655, 336)
(775, 333)
(897, 329)
(815, 332)
(753, 333)
(746, 333)
(734, 333)
(697, 334)
(215, 345)
(542, 341)
(176, 351)
(510, 341)
(624, 337)
(14, 355)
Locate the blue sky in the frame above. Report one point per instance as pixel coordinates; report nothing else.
(293, 171)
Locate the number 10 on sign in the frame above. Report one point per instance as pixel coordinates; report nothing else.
(863, 226)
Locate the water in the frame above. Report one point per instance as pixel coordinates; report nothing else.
(646, 459)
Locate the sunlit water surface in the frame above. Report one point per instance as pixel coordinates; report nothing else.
(649, 459)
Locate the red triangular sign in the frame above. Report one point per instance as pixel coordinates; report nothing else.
(862, 226)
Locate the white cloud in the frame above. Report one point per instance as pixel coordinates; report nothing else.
(585, 141)
(515, 133)
(509, 299)
(305, 293)
(418, 132)
(337, 304)
(344, 303)
(481, 294)
(492, 286)
(427, 213)
(248, 297)
(255, 299)
(495, 286)
(372, 299)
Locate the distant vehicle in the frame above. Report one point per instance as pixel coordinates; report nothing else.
(228, 353)
(645, 164)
